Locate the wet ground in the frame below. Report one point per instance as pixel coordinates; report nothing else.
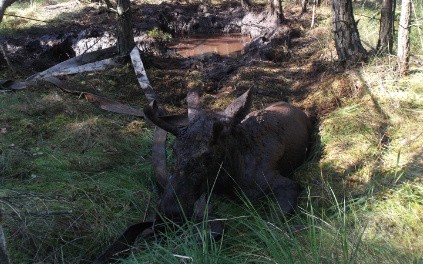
(224, 45)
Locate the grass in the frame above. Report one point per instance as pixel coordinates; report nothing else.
(21, 15)
(67, 170)
(72, 177)
(331, 235)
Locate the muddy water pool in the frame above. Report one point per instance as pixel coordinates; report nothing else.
(223, 45)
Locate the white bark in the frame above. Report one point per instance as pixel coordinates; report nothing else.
(404, 37)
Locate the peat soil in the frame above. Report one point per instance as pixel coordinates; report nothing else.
(283, 62)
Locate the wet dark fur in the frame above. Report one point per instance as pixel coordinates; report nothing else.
(256, 155)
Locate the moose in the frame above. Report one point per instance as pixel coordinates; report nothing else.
(226, 152)
(234, 150)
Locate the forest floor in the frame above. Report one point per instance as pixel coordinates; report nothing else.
(73, 176)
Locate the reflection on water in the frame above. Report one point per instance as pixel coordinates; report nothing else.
(222, 45)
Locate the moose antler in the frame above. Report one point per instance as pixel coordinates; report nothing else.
(152, 112)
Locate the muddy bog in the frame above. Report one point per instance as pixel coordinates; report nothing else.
(224, 45)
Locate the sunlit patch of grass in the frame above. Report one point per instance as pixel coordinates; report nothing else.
(373, 145)
(402, 102)
(349, 137)
(367, 14)
(395, 217)
(21, 17)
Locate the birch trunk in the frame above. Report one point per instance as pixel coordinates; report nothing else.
(404, 38)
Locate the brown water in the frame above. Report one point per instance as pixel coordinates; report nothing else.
(222, 45)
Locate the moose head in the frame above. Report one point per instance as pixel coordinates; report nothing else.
(251, 150)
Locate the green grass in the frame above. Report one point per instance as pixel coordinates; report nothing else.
(336, 234)
(69, 170)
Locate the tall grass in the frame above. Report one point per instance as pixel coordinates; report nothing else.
(331, 235)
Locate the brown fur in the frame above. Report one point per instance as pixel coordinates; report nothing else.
(229, 151)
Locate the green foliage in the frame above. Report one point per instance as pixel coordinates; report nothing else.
(160, 36)
(367, 12)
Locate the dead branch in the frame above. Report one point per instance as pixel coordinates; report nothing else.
(27, 18)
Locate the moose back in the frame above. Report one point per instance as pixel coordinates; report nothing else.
(234, 150)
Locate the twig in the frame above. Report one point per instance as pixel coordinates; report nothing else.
(147, 208)
(28, 18)
(370, 17)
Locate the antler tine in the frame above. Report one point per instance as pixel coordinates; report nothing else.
(152, 112)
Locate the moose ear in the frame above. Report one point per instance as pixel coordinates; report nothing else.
(239, 108)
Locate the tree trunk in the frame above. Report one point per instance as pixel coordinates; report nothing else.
(386, 30)
(347, 39)
(275, 7)
(313, 14)
(304, 6)
(404, 38)
(125, 36)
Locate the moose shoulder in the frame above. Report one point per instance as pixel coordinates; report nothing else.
(234, 150)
